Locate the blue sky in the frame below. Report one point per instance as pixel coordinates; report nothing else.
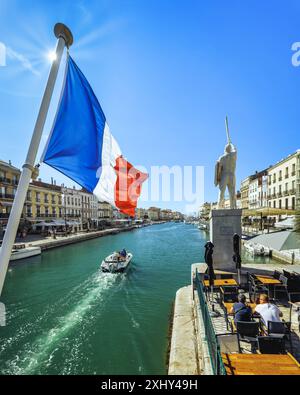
(166, 73)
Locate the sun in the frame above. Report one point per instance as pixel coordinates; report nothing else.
(51, 55)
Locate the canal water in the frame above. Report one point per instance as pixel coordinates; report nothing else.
(64, 316)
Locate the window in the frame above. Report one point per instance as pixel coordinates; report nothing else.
(293, 169)
(286, 203)
(286, 186)
(38, 196)
(293, 203)
(280, 175)
(274, 204)
(286, 172)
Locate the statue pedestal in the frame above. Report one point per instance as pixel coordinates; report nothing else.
(223, 225)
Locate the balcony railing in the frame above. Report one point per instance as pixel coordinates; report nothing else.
(293, 173)
(4, 215)
(5, 180)
(292, 191)
(286, 176)
(15, 182)
(6, 196)
(280, 179)
(279, 194)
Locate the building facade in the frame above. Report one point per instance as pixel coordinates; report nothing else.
(154, 213)
(43, 201)
(9, 178)
(258, 189)
(284, 183)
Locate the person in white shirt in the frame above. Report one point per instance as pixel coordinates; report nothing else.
(267, 311)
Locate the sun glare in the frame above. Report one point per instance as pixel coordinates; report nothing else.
(51, 56)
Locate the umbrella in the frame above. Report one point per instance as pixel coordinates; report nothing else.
(209, 261)
(237, 257)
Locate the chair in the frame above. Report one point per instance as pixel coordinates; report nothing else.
(290, 287)
(229, 343)
(255, 287)
(247, 332)
(229, 294)
(270, 345)
(276, 274)
(280, 330)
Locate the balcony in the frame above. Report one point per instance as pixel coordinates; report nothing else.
(46, 201)
(38, 200)
(5, 180)
(15, 182)
(286, 193)
(29, 215)
(6, 196)
(280, 179)
(292, 191)
(42, 215)
(279, 194)
(4, 215)
(286, 176)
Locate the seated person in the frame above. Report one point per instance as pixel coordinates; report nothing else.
(267, 311)
(241, 311)
(123, 253)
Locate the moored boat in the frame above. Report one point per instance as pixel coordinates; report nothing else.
(20, 251)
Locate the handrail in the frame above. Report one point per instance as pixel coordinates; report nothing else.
(218, 367)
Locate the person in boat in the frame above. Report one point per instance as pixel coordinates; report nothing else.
(123, 253)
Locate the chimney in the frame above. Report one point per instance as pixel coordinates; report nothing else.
(9, 162)
(51, 180)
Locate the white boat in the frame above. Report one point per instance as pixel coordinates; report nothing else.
(115, 263)
(20, 251)
(257, 249)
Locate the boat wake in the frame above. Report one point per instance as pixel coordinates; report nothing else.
(40, 352)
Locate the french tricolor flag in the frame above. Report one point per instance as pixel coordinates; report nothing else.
(81, 146)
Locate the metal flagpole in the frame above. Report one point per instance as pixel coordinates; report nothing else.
(65, 38)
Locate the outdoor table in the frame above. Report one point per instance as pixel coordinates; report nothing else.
(260, 364)
(222, 282)
(267, 280)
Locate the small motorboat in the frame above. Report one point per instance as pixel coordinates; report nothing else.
(257, 249)
(20, 251)
(116, 262)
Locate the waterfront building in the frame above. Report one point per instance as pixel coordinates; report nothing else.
(258, 187)
(177, 216)
(86, 214)
(166, 215)
(105, 211)
(245, 193)
(72, 204)
(9, 178)
(43, 201)
(141, 214)
(154, 213)
(284, 183)
(94, 220)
